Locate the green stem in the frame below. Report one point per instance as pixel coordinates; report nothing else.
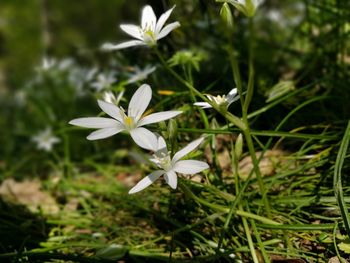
(245, 106)
(252, 153)
(249, 238)
(260, 243)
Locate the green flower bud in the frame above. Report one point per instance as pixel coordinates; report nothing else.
(239, 146)
(226, 16)
(172, 129)
(172, 134)
(163, 128)
(250, 8)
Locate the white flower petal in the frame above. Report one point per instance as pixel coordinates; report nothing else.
(147, 181)
(232, 96)
(166, 30)
(162, 149)
(111, 109)
(190, 166)
(104, 133)
(230, 101)
(232, 92)
(140, 74)
(189, 148)
(148, 18)
(126, 44)
(171, 179)
(204, 105)
(157, 117)
(144, 138)
(139, 101)
(132, 30)
(149, 70)
(161, 143)
(94, 122)
(162, 19)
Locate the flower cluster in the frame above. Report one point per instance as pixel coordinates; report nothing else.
(133, 120)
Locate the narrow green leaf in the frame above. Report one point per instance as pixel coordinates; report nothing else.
(337, 184)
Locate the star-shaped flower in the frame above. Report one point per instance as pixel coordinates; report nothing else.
(220, 101)
(131, 122)
(140, 74)
(170, 166)
(148, 33)
(104, 80)
(45, 140)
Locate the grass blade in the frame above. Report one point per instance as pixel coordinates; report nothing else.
(337, 184)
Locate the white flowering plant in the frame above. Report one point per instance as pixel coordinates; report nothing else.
(177, 145)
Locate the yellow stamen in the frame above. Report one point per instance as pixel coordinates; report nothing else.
(129, 121)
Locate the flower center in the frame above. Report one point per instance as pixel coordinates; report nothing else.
(129, 122)
(163, 160)
(149, 37)
(218, 100)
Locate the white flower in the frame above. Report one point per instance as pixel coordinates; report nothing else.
(140, 74)
(20, 98)
(247, 7)
(45, 140)
(108, 96)
(79, 77)
(170, 166)
(65, 64)
(148, 33)
(47, 64)
(131, 122)
(104, 80)
(220, 101)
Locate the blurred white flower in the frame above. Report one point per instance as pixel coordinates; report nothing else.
(47, 64)
(131, 122)
(45, 140)
(292, 15)
(170, 166)
(20, 98)
(104, 80)
(65, 64)
(79, 77)
(220, 101)
(148, 33)
(140, 74)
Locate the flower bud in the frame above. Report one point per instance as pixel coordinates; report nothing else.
(172, 129)
(239, 146)
(172, 134)
(163, 128)
(226, 16)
